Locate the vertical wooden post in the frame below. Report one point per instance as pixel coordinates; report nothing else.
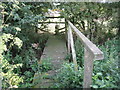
(72, 48)
(88, 68)
(91, 52)
(65, 29)
(68, 38)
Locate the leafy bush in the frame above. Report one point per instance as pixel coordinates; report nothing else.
(79, 52)
(19, 62)
(10, 78)
(68, 77)
(20, 68)
(45, 65)
(105, 73)
(17, 68)
(19, 31)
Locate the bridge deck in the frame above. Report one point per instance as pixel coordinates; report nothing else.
(55, 51)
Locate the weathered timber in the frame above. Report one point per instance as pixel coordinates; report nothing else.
(72, 48)
(68, 39)
(92, 48)
(91, 53)
(66, 34)
(88, 68)
(55, 51)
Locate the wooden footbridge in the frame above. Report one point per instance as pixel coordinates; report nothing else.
(56, 49)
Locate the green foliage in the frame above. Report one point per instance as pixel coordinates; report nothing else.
(29, 59)
(79, 52)
(11, 29)
(10, 78)
(19, 32)
(20, 68)
(7, 41)
(68, 77)
(68, 57)
(45, 65)
(106, 72)
(19, 62)
(98, 21)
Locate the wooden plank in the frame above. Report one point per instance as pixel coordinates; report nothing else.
(72, 48)
(88, 68)
(68, 43)
(55, 51)
(98, 54)
(66, 31)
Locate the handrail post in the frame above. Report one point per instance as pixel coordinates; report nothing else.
(91, 53)
(88, 68)
(72, 48)
(68, 38)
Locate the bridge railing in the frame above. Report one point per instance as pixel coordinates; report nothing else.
(91, 53)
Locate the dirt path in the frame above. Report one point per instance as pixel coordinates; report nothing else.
(56, 51)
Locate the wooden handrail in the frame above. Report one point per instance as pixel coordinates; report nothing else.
(91, 53)
(98, 54)
(71, 44)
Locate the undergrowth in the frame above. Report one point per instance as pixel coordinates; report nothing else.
(105, 73)
(18, 68)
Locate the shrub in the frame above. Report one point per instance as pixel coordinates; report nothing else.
(10, 78)
(68, 77)
(45, 65)
(106, 71)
